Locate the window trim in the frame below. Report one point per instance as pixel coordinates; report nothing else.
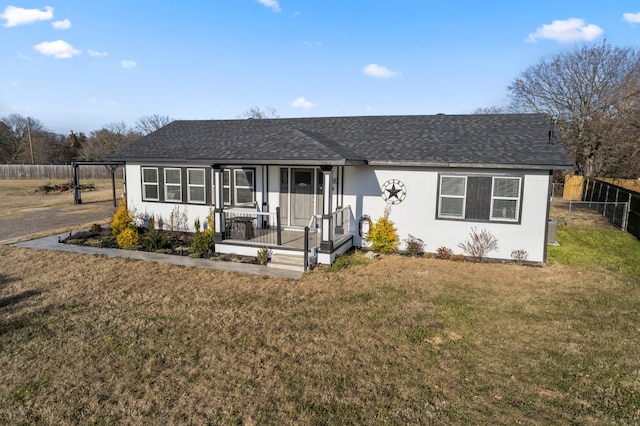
(192, 185)
(251, 187)
(463, 197)
(145, 184)
(167, 185)
(497, 197)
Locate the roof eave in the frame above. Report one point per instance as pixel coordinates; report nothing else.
(471, 165)
(244, 161)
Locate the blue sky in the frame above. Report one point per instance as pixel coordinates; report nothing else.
(78, 65)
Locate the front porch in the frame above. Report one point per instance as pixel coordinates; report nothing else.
(303, 198)
(248, 230)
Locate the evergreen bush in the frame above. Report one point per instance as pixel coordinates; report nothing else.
(383, 235)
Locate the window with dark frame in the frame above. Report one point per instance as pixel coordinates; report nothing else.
(505, 198)
(150, 184)
(480, 198)
(172, 185)
(453, 190)
(196, 186)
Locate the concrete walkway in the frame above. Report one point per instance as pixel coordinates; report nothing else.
(52, 243)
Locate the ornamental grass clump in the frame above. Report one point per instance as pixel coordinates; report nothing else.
(383, 235)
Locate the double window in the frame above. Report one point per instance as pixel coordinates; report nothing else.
(481, 198)
(238, 186)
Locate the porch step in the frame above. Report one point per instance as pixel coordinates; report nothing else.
(287, 261)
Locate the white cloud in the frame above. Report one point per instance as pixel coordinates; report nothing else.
(567, 31)
(379, 71)
(633, 18)
(18, 16)
(273, 4)
(59, 49)
(62, 25)
(301, 102)
(128, 64)
(97, 54)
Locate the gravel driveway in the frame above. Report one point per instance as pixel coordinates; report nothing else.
(42, 221)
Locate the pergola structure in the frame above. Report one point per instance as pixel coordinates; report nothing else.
(112, 166)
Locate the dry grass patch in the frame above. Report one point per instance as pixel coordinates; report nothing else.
(87, 339)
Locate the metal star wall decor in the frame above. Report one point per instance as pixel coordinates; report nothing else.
(393, 191)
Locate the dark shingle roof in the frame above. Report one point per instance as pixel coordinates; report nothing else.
(516, 140)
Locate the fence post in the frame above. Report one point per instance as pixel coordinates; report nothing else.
(77, 192)
(625, 215)
(306, 248)
(278, 227)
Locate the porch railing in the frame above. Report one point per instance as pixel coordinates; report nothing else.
(253, 225)
(342, 223)
(342, 227)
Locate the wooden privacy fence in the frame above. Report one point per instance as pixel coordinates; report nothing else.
(609, 199)
(573, 188)
(55, 171)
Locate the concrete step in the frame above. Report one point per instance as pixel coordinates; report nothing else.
(287, 261)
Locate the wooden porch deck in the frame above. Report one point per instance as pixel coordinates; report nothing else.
(292, 239)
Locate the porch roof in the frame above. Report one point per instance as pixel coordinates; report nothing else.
(495, 140)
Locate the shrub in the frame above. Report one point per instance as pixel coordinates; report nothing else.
(263, 255)
(382, 235)
(96, 228)
(123, 219)
(479, 244)
(415, 246)
(520, 256)
(153, 239)
(128, 239)
(202, 243)
(458, 257)
(444, 252)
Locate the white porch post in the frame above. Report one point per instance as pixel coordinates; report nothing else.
(327, 218)
(218, 201)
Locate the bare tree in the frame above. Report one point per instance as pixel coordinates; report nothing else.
(257, 113)
(594, 91)
(109, 139)
(16, 145)
(150, 123)
(490, 110)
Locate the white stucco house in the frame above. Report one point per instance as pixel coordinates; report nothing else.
(266, 180)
